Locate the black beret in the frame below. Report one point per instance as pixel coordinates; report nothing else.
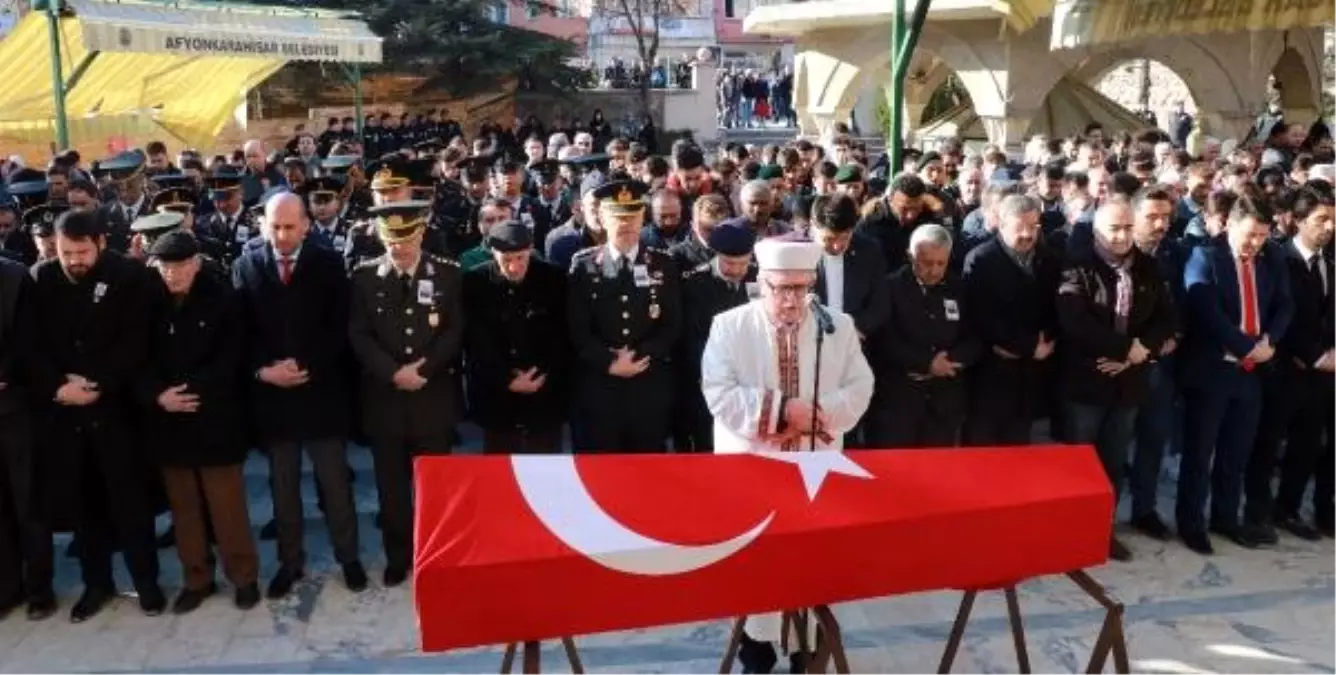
(732, 239)
(510, 237)
(174, 246)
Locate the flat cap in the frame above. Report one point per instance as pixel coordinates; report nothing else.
(510, 237)
(732, 239)
(174, 246)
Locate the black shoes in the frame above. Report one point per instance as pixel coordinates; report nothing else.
(90, 603)
(1297, 527)
(152, 601)
(270, 531)
(1151, 526)
(190, 599)
(1197, 541)
(247, 596)
(41, 606)
(354, 577)
(282, 583)
(1262, 533)
(395, 575)
(1245, 537)
(7, 607)
(756, 656)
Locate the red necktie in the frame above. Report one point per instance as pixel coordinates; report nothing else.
(285, 269)
(1249, 299)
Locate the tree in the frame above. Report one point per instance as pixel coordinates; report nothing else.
(458, 45)
(641, 18)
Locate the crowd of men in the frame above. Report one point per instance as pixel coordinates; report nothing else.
(159, 320)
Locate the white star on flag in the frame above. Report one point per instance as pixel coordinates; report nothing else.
(815, 466)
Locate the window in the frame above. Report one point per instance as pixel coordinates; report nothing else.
(729, 9)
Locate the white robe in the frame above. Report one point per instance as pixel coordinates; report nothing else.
(740, 378)
(741, 382)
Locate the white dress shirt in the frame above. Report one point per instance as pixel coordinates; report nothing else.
(833, 268)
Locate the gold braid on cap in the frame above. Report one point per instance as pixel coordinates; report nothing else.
(386, 180)
(394, 228)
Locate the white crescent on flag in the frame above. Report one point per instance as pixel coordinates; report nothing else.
(553, 489)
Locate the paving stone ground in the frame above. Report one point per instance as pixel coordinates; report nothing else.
(1262, 611)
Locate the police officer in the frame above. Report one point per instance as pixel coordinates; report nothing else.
(230, 223)
(125, 175)
(625, 317)
(518, 354)
(182, 201)
(712, 287)
(455, 212)
(16, 242)
(508, 185)
(328, 226)
(406, 327)
(40, 224)
(354, 196)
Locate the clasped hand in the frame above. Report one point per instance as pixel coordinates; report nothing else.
(78, 391)
(527, 381)
(285, 374)
(407, 377)
(175, 399)
(626, 364)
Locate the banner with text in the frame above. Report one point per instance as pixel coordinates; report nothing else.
(1078, 23)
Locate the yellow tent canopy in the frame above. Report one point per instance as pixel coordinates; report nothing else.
(183, 68)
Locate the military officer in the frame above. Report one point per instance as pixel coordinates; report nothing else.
(230, 223)
(508, 185)
(455, 212)
(518, 354)
(16, 241)
(322, 199)
(625, 315)
(391, 183)
(719, 284)
(406, 327)
(125, 176)
(551, 195)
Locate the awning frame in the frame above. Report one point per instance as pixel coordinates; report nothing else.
(265, 33)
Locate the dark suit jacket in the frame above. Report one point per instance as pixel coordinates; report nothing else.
(1009, 308)
(117, 225)
(17, 335)
(864, 285)
(1086, 302)
(919, 325)
(198, 342)
(306, 320)
(1311, 331)
(1214, 309)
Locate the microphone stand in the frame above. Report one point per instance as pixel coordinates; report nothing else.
(818, 315)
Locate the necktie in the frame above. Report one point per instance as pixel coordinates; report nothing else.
(1315, 269)
(1249, 299)
(625, 268)
(285, 269)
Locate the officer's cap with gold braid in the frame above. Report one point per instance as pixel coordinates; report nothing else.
(176, 199)
(621, 196)
(123, 166)
(324, 187)
(391, 173)
(398, 221)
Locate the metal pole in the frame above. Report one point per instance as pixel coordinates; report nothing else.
(895, 93)
(357, 99)
(57, 76)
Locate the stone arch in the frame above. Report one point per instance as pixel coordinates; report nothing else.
(1299, 94)
(1212, 86)
(1128, 74)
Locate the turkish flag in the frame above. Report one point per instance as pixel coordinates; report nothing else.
(534, 547)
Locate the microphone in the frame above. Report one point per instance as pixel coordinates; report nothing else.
(823, 320)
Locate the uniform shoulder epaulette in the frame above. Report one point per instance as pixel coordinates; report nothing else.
(585, 253)
(442, 260)
(657, 250)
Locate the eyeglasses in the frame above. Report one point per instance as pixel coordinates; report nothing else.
(790, 290)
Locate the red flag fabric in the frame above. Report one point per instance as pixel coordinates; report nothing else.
(534, 547)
